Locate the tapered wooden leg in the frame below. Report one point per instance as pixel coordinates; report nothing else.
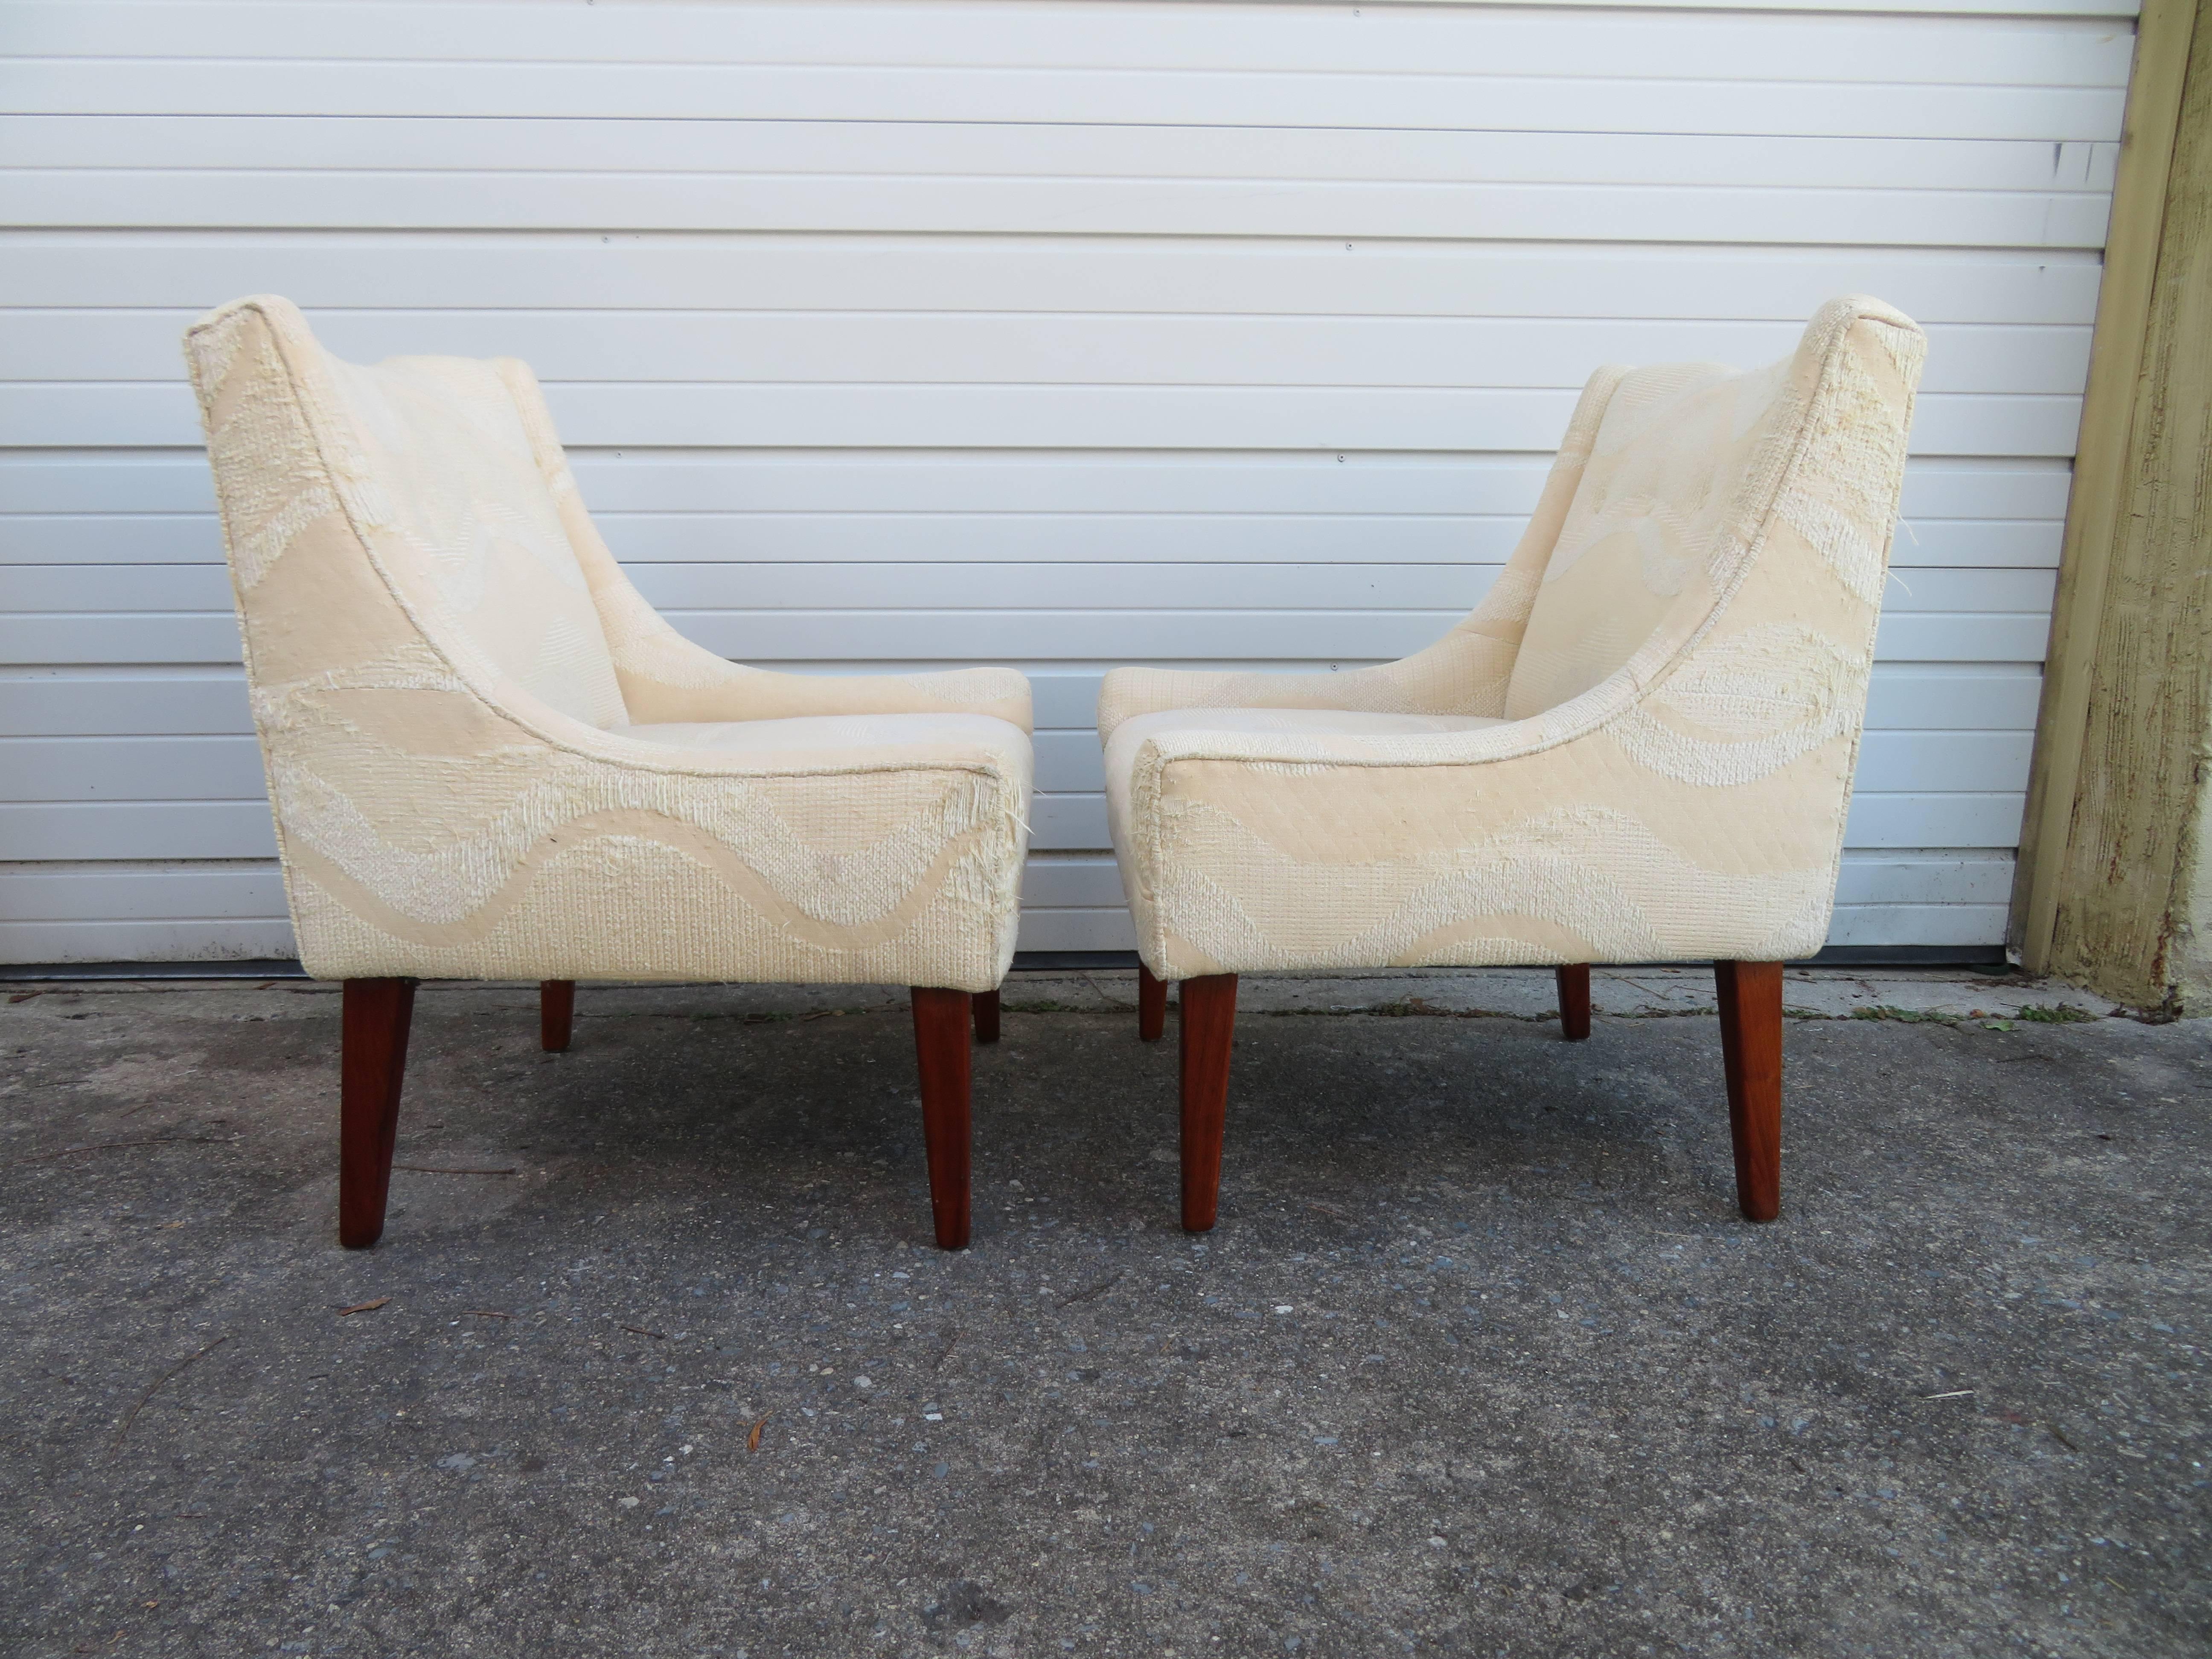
(556, 1014)
(1751, 1047)
(986, 1015)
(1151, 1004)
(1209, 1025)
(373, 1058)
(940, 1042)
(1574, 1001)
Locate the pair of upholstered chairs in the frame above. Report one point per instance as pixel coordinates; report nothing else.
(489, 758)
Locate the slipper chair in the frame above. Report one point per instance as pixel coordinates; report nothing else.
(1639, 749)
(491, 759)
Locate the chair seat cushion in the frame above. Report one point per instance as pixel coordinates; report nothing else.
(818, 736)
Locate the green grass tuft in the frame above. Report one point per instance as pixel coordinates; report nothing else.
(1909, 1016)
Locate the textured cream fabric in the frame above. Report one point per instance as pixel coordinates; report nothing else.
(1131, 735)
(1666, 470)
(1465, 672)
(1688, 803)
(466, 527)
(457, 789)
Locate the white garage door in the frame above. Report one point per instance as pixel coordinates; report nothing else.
(1035, 331)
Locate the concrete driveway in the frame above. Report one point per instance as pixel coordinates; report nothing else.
(656, 1359)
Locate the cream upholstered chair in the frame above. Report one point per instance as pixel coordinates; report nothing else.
(1639, 749)
(490, 758)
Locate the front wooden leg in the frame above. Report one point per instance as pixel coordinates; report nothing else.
(556, 1014)
(940, 1040)
(1574, 1001)
(1751, 1049)
(986, 1015)
(1151, 1004)
(375, 1015)
(1209, 1025)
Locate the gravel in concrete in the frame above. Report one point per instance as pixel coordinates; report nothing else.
(656, 1357)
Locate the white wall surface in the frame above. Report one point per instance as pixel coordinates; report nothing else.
(1039, 331)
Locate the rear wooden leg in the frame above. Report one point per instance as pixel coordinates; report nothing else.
(1751, 1048)
(1151, 1004)
(940, 1040)
(1574, 1001)
(1209, 1025)
(374, 1014)
(986, 1015)
(556, 1014)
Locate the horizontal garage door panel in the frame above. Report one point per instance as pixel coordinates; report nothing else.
(746, 588)
(1006, 636)
(624, 487)
(1411, 98)
(1035, 274)
(1938, 45)
(1126, 538)
(535, 201)
(889, 415)
(986, 152)
(768, 346)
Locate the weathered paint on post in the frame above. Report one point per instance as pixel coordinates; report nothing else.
(2112, 890)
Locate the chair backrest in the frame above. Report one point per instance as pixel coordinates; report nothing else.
(433, 466)
(1682, 475)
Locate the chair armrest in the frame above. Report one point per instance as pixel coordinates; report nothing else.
(426, 831)
(1625, 838)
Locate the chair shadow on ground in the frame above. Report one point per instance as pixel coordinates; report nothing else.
(772, 1122)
